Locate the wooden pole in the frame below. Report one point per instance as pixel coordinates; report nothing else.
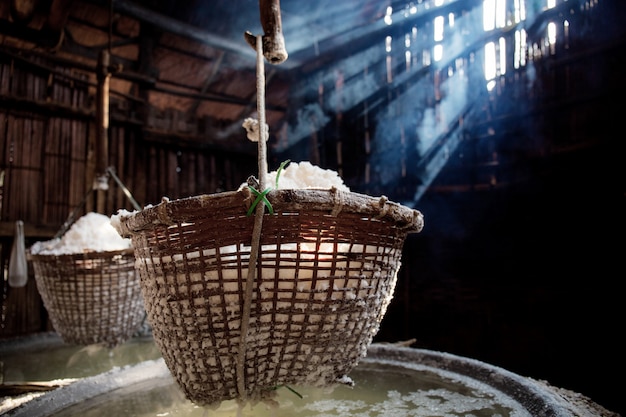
(273, 40)
(102, 126)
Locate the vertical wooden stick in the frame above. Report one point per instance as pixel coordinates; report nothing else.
(102, 126)
(258, 224)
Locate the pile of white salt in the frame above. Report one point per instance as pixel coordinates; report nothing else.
(305, 175)
(92, 232)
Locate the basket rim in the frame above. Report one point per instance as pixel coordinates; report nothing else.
(328, 201)
(79, 255)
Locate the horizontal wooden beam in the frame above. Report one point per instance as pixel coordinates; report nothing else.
(31, 231)
(46, 107)
(177, 27)
(190, 141)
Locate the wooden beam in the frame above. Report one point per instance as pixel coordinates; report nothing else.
(207, 83)
(23, 10)
(176, 27)
(31, 231)
(59, 11)
(55, 23)
(102, 113)
(233, 144)
(22, 32)
(45, 107)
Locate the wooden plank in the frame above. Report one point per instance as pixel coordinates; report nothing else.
(36, 163)
(46, 208)
(31, 230)
(4, 144)
(49, 172)
(63, 167)
(78, 186)
(202, 170)
(36, 85)
(90, 165)
(174, 26)
(5, 76)
(227, 169)
(213, 176)
(22, 310)
(125, 175)
(186, 177)
(23, 160)
(8, 172)
(136, 163)
(171, 163)
(13, 180)
(23, 10)
(154, 188)
(116, 197)
(76, 167)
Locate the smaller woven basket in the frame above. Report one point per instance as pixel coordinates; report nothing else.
(326, 271)
(91, 297)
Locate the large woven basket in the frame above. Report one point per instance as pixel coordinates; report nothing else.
(91, 297)
(326, 273)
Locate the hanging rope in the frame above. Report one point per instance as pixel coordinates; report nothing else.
(258, 223)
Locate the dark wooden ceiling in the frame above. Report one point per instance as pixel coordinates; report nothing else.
(179, 64)
(186, 56)
(190, 57)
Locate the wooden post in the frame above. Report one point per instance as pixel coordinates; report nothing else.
(273, 39)
(102, 129)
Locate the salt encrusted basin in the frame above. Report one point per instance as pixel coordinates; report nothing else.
(390, 381)
(30, 365)
(45, 357)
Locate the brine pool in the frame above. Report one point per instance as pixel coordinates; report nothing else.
(132, 380)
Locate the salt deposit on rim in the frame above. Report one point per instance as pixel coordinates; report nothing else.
(91, 233)
(303, 175)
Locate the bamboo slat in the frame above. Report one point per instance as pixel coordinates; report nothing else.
(230, 185)
(186, 164)
(3, 131)
(37, 155)
(136, 167)
(163, 163)
(55, 174)
(170, 162)
(5, 76)
(77, 166)
(213, 174)
(20, 130)
(153, 176)
(201, 176)
(116, 198)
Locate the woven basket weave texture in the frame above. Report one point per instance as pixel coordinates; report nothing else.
(323, 284)
(92, 297)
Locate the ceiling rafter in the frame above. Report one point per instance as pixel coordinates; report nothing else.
(207, 83)
(179, 28)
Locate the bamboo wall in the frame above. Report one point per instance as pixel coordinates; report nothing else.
(48, 164)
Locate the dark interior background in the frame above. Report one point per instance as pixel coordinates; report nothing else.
(520, 260)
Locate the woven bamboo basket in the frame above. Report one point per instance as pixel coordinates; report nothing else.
(326, 272)
(91, 297)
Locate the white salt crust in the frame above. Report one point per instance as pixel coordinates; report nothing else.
(91, 233)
